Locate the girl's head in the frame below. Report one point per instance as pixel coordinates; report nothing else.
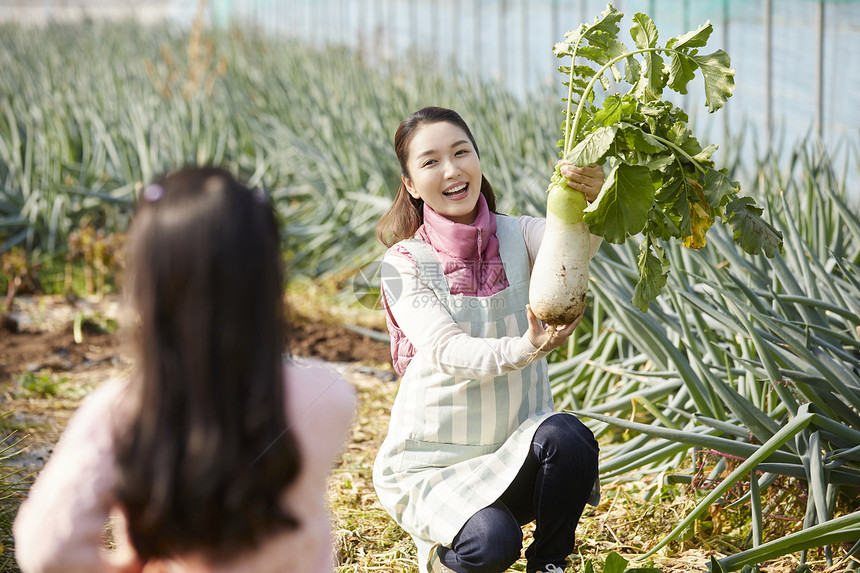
(206, 454)
(436, 150)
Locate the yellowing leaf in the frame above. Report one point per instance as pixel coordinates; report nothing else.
(701, 223)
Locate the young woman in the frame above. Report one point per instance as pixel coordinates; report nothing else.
(474, 449)
(214, 455)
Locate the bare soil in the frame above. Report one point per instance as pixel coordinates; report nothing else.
(44, 372)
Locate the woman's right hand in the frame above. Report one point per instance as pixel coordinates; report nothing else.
(589, 180)
(544, 337)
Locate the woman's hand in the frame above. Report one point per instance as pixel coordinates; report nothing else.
(588, 180)
(545, 338)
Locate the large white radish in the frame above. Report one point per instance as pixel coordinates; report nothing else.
(559, 278)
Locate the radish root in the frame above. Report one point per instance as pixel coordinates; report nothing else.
(552, 330)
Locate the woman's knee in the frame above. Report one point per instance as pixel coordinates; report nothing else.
(490, 542)
(565, 436)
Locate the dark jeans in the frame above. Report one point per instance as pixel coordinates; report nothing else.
(551, 489)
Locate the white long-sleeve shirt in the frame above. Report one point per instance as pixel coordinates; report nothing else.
(418, 321)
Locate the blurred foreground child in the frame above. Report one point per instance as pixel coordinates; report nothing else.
(214, 455)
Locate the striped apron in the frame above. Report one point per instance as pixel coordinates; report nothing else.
(454, 445)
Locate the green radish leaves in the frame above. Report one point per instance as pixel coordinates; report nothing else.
(593, 147)
(718, 83)
(623, 205)
(751, 232)
(662, 184)
(651, 82)
(653, 268)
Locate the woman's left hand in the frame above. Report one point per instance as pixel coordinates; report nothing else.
(545, 338)
(588, 180)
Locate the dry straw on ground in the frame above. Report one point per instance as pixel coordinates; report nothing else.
(366, 538)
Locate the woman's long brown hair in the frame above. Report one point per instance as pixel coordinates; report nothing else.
(406, 213)
(207, 453)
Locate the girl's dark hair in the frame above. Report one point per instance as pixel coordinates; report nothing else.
(406, 213)
(206, 454)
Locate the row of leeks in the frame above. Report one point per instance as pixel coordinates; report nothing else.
(80, 136)
(757, 360)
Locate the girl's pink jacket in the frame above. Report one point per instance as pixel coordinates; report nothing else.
(60, 527)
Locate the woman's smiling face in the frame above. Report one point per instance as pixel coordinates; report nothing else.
(444, 171)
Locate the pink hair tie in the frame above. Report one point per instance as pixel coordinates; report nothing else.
(153, 192)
